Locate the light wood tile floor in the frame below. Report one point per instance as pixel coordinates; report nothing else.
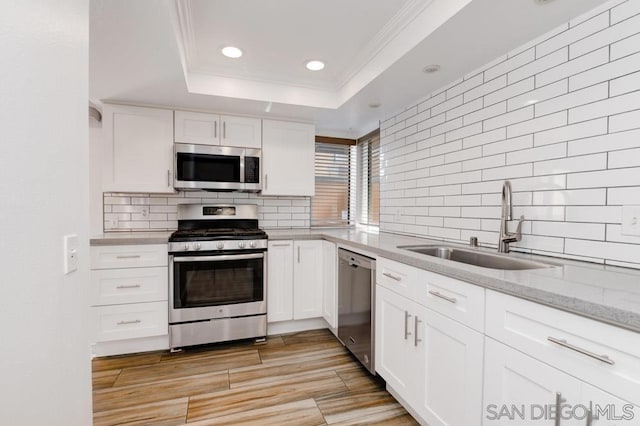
(295, 379)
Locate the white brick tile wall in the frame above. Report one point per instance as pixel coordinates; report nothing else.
(156, 212)
(559, 117)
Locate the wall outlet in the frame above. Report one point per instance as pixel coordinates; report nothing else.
(631, 220)
(70, 253)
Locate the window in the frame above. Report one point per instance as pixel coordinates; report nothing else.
(368, 159)
(347, 181)
(333, 202)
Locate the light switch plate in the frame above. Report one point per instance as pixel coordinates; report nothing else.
(631, 220)
(70, 253)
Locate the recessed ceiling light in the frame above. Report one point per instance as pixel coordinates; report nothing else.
(231, 52)
(314, 65)
(430, 69)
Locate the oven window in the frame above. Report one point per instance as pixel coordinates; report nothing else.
(208, 283)
(208, 168)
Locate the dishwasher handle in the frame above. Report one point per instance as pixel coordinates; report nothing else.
(356, 260)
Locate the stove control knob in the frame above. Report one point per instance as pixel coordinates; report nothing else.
(252, 244)
(186, 246)
(241, 244)
(220, 246)
(196, 246)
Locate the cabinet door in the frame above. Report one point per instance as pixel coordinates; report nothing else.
(307, 279)
(280, 281)
(517, 388)
(243, 132)
(138, 155)
(288, 158)
(329, 283)
(197, 127)
(453, 371)
(606, 409)
(398, 358)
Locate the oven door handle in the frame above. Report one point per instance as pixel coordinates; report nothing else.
(220, 258)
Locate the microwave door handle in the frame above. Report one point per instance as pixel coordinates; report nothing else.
(242, 166)
(221, 258)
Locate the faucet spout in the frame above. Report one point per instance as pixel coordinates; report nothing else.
(506, 214)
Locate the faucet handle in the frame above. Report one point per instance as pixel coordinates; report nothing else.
(519, 228)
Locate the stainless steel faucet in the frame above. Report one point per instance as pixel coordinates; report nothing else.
(506, 213)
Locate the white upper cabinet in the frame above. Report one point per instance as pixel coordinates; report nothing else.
(288, 158)
(138, 149)
(213, 129)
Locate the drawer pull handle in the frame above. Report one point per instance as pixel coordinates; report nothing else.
(280, 245)
(443, 297)
(129, 286)
(393, 277)
(406, 325)
(129, 322)
(563, 343)
(415, 332)
(559, 401)
(129, 256)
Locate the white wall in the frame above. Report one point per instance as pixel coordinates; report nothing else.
(558, 117)
(45, 364)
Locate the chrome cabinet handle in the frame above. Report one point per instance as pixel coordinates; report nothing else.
(215, 129)
(266, 181)
(590, 414)
(442, 296)
(406, 325)
(298, 254)
(224, 130)
(129, 322)
(129, 286)
(393, 277)
(415, 332)
(168, 177)
(280, 245)
(559, 401)
(565, 344)
(131, 256)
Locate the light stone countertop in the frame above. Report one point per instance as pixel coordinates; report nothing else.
(606, 293)
(130, 238)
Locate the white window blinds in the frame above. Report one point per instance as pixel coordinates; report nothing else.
(332, 204)
(368, 203)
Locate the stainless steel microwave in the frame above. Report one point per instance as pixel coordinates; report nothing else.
(221, 168)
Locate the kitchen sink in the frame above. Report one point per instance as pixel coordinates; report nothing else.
(476, 258)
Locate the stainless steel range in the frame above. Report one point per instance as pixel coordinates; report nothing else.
(217, 275)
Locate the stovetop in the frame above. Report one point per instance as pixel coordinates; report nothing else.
(216, 234)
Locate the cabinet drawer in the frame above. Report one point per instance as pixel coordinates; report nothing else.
(130, 321)
(396, 276)
(605, 356)
(129, 256)
(133, 285)
(455, 299)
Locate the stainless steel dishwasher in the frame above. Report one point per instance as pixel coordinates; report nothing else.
(356, 305)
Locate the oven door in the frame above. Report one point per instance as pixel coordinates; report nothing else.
(216, 286)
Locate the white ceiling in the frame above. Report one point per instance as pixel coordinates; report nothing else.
(166, 52)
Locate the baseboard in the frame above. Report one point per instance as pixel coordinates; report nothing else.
(284, 327)
(130, 346)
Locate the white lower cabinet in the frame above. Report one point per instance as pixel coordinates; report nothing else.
(294, 280)
(433, 363)
(129, 292)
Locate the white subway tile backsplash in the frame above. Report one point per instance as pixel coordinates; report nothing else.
(625, 158)
(575, 66)
(624, 11)
(559, 117)
(573, 34)
(624, 121)
(575, 197)
(538, 95)
(571, 132)
(607, 36)
(625, 47)
(510, 92)
(571, 164)
(537, 154)
(611, 106)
